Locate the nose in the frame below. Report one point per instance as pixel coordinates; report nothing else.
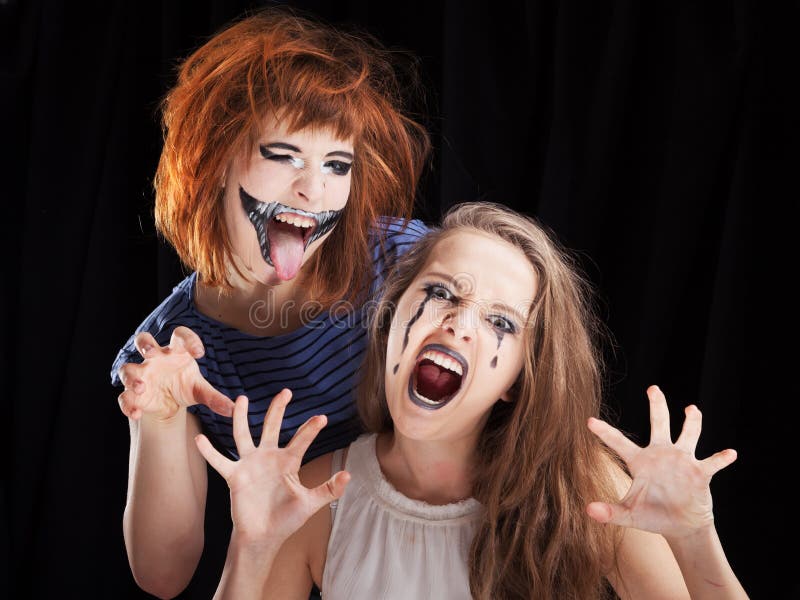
(461, 322)
(309, 185)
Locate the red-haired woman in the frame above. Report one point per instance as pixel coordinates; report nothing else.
(486, 473)
(286, 184)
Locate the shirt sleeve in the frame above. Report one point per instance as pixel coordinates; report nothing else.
(398, 238)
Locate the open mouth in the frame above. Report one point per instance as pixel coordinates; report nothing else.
(284, 232)
(437, 376)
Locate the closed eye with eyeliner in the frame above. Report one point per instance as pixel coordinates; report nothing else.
(331, 165)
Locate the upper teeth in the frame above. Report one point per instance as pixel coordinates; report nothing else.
(296, 220)
(443, 360)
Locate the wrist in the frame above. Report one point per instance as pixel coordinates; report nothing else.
(171, 421)
(255, 546)
(697, 537)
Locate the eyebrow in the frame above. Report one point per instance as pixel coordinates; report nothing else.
(501, 305)
(341, 153)
(512, 311)
(292, 148)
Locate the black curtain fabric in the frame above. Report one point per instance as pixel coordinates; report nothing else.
(657, 139)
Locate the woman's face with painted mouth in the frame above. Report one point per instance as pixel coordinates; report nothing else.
(456, 342)
(283, 197)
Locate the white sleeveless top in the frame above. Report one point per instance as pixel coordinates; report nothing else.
(385, 546)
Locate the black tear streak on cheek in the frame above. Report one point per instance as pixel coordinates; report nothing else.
(414, 319)
(394, 371)
(499, 335)
(494, 362)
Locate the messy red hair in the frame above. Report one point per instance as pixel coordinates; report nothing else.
(316, 76)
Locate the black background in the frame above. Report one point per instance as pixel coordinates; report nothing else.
(658, 139)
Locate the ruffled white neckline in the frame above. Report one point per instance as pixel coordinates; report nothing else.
(420, 509)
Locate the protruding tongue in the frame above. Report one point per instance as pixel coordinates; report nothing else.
(435, 382)
(285, 248)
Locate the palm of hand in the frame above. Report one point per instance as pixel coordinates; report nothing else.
(268, 501)
(669, 493)
(267, 498)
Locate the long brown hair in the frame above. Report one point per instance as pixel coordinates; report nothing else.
(536, 540)
(316, 76)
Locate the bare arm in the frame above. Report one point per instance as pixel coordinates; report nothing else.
(163, 520)
(670, 548)
(167, 481)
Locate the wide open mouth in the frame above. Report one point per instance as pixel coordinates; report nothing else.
(284, 232)
(437, 376)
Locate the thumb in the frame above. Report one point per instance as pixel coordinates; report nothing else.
(603, 512)
(205, 393)
(331, 490)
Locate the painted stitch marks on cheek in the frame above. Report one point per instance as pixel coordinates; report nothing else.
(284, 232)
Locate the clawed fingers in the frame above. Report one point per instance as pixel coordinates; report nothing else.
(185, 338)
(614, 439)
(220, 464)
(690, 434)
(129, 404)
(145, 343)
(305, 435)
(130, 376)
(274, 417)
(241, 427)
(659, 416)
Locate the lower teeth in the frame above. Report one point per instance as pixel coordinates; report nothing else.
(426, 400)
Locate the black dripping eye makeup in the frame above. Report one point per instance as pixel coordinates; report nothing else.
(501, 323)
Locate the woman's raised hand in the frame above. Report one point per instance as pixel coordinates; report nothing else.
(168, 379)
(268, 502)
(670, 491)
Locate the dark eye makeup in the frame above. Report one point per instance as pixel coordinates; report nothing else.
(337, 167)
(439, 291)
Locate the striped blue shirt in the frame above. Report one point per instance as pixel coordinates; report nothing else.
(318, 361)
